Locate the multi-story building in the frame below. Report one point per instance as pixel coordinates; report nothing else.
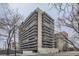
(61, 41)
(36, 33)
(13, 45)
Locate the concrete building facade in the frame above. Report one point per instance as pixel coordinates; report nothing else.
(61, 43)
(37, 33)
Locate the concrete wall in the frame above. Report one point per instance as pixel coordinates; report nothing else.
(48, 50)
(39, 30)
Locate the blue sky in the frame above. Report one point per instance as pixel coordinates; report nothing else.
(26, 9)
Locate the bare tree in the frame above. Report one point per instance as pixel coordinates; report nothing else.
(9, 23)
(68, 17)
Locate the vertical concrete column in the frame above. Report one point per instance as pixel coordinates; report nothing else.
(39, 30)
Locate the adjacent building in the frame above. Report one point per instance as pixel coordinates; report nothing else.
(36, 33)
(13, 45)
(61, 42)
